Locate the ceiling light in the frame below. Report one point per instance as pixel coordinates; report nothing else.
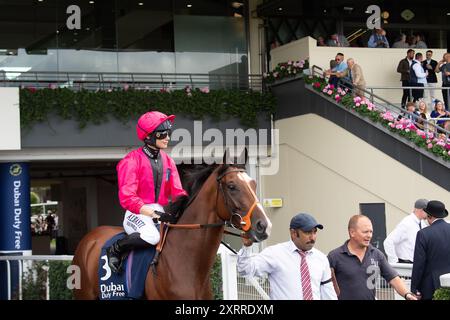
(280, 9)
(91, 2)
(448, 13)
(189, 5)
(141, 3)
(40, 0)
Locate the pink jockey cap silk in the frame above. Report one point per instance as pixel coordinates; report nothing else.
(149, 121)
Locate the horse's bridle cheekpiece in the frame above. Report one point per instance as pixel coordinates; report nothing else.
(244, 220)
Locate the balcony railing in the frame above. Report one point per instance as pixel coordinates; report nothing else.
(141, 81)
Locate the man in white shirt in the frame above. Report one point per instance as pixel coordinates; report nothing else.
(418, 77)
(399, 244)
(296, 270)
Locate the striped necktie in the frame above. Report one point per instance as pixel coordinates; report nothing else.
(305, 277)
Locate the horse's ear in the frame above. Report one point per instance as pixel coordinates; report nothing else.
(226, 157)
(243, 158)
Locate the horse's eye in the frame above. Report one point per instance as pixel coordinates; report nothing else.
(231, 187)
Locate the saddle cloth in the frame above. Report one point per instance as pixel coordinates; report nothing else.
(130, 282)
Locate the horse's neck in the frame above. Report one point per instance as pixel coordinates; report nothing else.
(189, 254)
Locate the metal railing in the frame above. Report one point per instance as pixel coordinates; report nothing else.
(27, 268)
(142, 81)
(235, 287)
(383, 105)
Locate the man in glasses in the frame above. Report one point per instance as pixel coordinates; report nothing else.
(147, 179)
(339, 71)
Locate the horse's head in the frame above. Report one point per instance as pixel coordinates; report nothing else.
(240, 206)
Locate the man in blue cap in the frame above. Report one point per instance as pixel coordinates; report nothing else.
(296, 270)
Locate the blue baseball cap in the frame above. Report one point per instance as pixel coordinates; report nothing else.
(305, 222)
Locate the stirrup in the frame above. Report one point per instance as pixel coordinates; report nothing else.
(155, 262)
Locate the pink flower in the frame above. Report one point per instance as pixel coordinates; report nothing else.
(391, 125)
(330, 92)
(407, 130)
(430, 145)
(357, 104)
(316, 85)
(52, 86)
(126, 87)
(205, 90)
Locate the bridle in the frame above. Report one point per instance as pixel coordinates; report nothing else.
(244, 223)
(244, 220)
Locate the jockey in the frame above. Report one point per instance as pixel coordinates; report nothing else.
(147, 179)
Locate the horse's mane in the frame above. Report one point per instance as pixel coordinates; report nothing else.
(193, 182)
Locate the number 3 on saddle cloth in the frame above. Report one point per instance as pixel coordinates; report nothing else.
(130, 283)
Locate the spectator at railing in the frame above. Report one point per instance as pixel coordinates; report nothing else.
(411, 41)
(423, 114)
(420, 41)
(417, 77)
(404, 68)
(356, 77)
(410, 112)
(430, 65)
(337, 40)
(439, 112)
(339, 71)
(399, 244)
(401, 42)
(444, 67)
(378, 39)
(321, 42)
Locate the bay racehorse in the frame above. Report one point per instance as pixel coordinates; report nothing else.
(219, 195)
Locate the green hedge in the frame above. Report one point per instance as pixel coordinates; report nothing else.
(216, 279)
(442, 294)
(58, 280)
(94, 107)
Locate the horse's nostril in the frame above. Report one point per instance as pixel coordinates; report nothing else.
(261, 226)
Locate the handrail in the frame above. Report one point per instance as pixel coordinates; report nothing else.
(406, 87)
(102, 80)
(425, 123)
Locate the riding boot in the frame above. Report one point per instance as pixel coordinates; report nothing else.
(118, 251)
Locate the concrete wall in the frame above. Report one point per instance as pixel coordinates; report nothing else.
(379, 65)
(328, 172)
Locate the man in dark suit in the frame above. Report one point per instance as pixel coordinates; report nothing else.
(432, 252)
(404, 68)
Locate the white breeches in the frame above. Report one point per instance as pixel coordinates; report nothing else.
(144, 225)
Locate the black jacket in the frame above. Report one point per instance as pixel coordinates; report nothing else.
(431, 258)
(431, 78)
